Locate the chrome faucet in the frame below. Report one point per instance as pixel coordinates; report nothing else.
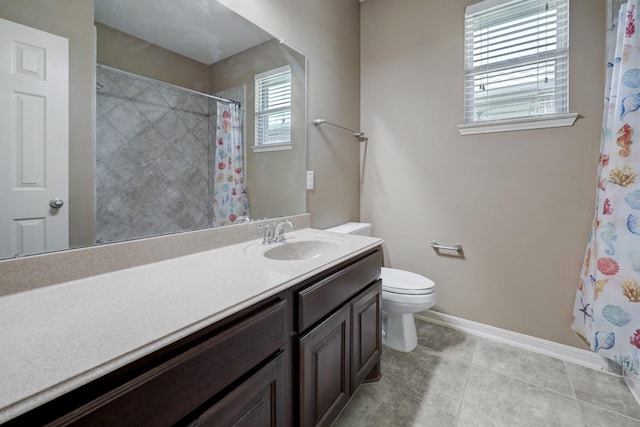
(278, 233)
(267, 238)
(275, 235)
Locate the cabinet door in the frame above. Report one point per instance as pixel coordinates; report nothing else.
(366, 324)
(325, 369)
(257, 402)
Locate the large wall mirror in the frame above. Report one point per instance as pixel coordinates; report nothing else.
(161, 120)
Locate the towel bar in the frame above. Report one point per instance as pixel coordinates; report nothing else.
(356, 133)
(457, 247)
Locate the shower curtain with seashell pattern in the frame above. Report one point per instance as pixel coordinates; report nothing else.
(607, 305)
(230, 200)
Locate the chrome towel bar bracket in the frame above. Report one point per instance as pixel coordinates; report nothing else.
(457, 247)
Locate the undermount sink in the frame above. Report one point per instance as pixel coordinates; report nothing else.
(298, 248)
(304, 249)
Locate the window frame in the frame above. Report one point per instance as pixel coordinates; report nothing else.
(536, 121)
(260, 145)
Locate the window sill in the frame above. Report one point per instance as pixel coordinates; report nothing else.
(271, 147)
(552, 121)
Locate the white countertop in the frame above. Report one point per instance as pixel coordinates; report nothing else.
(57, 338)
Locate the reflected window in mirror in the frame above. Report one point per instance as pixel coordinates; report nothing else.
(273, 110)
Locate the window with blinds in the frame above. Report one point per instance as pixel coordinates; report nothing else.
(516, 59)
(273, 107)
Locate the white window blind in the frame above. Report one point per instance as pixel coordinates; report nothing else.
(273, 107)
(516, 59)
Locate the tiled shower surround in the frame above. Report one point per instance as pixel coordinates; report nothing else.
(152, 157)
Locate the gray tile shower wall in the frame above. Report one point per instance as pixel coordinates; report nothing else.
(152, 151)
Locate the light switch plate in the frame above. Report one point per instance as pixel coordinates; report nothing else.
(309, 180)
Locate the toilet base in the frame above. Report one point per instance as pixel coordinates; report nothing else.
(399, 331)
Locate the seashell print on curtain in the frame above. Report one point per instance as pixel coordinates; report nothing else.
(607, 305)
(230, 199)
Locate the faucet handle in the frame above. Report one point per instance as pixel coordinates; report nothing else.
(268, 233)
(242, 219)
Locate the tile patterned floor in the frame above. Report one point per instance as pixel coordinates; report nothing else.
(456, 379)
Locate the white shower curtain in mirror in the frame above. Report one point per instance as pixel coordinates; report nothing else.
(607, 305)
(230, 200)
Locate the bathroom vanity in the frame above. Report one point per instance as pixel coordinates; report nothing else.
(292, 332)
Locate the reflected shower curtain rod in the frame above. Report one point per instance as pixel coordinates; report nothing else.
(356, 133)
(149, 79)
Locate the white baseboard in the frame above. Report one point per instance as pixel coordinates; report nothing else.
(527, 342)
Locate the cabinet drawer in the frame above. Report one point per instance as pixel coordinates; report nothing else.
(320, 299)
(258, 401)
(170, 391)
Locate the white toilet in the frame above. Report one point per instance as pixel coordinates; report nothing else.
(403, 293)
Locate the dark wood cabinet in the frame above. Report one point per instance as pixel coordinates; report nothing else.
(325, 366)
(340, 350)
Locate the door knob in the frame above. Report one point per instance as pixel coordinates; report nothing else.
(56, 203)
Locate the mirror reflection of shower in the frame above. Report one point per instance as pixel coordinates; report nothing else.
(156, 165)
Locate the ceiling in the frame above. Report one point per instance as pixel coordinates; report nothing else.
(203, 30)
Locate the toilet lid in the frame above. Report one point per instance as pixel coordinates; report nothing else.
(406, 282)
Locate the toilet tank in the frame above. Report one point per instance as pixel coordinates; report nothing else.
(359, 228)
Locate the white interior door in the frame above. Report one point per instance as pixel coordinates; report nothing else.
(34, 140)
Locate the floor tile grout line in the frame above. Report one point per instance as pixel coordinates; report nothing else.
(573, 389)
(609, 410)
(575, 397)
(525, 381)
(473, 362)
(466, 381)
(442, 356)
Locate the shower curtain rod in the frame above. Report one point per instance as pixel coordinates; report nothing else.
(206, 95)
(356, 133)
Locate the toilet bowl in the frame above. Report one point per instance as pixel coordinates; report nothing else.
(403, 293)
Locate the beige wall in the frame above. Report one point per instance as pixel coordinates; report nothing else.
(328, 33)
(128, 53)
(520, 203)
(279, 194)
(72, 19)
